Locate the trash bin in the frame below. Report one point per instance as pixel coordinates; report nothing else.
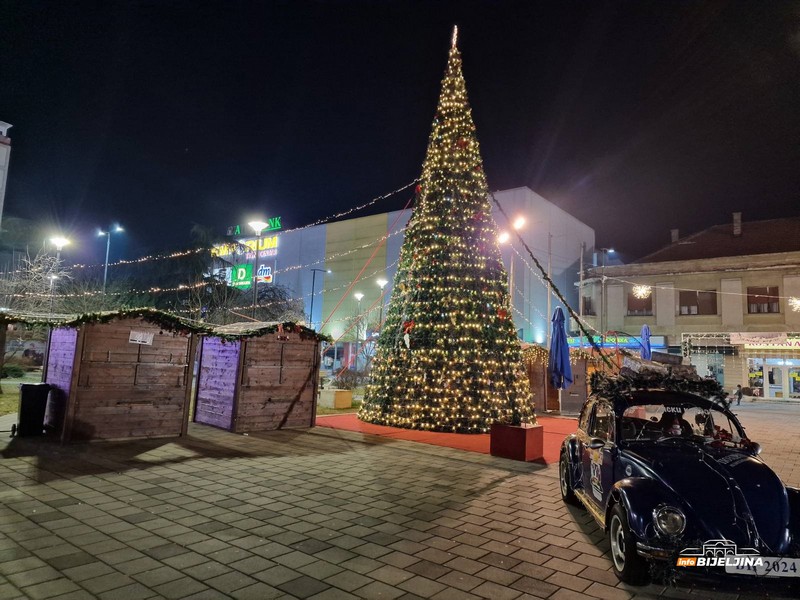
(32, 406)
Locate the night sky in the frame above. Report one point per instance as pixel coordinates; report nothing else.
(636, 117)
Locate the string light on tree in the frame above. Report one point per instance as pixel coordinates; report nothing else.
(447, 357)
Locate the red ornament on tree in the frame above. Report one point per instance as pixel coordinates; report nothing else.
(462, 143)
(502, 313)
(408, 326)
(418, 189)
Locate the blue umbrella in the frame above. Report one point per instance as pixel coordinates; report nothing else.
(646, 351)
(560, 369)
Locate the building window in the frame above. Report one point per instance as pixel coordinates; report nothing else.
(763, 300)
(640, 307)
(698, 302)
(588, 306)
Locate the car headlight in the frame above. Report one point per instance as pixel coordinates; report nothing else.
(669, 521)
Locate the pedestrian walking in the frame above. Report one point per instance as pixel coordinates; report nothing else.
(738, 394)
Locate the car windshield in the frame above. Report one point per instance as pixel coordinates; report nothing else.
(655, 422)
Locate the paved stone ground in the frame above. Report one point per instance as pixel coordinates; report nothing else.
(316, 514)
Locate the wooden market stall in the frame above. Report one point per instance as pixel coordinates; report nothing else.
(122, 375)
(258, 377)
(545, 396)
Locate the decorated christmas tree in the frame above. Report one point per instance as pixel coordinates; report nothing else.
(448, 358)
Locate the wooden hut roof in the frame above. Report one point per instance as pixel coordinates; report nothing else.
(258, 328)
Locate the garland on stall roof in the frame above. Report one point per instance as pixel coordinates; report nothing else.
(166, 321)
(535, 354)
(618, 387)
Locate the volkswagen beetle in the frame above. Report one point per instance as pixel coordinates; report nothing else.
(662, 471)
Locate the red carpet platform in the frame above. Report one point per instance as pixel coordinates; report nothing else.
(555, 430)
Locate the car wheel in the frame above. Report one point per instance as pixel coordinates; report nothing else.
(567, 494)
(628, 565)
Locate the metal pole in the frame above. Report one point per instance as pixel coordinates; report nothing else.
(255, 276)
(50, 312)
(511, 281)
(358, 334)
(108, 250)
(313, 285)
(580, 292)
(549, 278)
(603, 297)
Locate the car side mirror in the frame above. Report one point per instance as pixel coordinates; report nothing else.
(756, 448)
(595, 444)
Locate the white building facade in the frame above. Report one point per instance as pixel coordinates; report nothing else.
(727, 297)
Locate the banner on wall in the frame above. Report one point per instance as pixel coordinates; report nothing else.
(765, 340)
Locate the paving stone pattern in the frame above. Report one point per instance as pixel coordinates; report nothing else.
(319, 514)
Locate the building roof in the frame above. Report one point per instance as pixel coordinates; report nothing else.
(757, 237)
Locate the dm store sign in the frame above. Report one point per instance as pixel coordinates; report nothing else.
(241, 276)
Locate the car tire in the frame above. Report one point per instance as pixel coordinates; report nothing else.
(567, 493)
(626, 562)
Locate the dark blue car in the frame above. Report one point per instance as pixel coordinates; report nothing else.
(671, 475)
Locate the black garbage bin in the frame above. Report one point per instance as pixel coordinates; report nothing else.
(32, 406)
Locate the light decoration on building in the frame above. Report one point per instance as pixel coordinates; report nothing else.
(794, 303)
(448, 358)
(642, 291)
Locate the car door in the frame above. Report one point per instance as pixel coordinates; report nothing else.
(597, 457)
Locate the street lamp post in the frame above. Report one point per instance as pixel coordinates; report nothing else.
(258, 227)
(358, 296)
(52, 281)
(519, 223)
(604, 310)
(382, 283)
(313, 286)
(113, 229)
(59, 242)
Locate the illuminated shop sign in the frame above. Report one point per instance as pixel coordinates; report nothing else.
(267, 246)
(619, 341)
(241, 276)
(273, 224)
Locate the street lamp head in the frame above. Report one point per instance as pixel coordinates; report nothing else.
(118, 228)
(503, 237)
(382, 283)
(258, 226)
(519, 222)
(358, 296)
(59, 242)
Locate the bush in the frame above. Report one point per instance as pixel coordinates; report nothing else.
(12, 371)
(350, 380)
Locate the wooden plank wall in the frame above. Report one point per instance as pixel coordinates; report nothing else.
(278, 383)
(216, 382)
(127, 390)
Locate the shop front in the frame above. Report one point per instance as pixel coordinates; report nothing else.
(773, 364)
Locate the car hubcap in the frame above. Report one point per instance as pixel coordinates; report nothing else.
(617, 543)
(563, 473)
